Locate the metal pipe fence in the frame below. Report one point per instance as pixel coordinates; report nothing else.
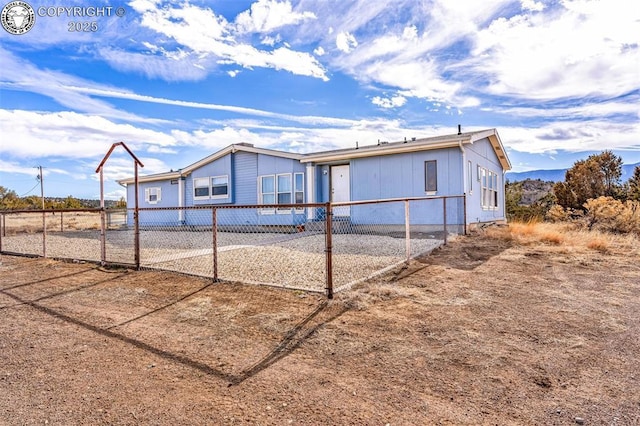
(322, 247)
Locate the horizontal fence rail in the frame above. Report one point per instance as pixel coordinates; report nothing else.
(318, 247)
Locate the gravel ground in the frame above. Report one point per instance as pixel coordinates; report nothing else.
(295, 261)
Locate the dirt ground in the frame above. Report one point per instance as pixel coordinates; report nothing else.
(483, 331)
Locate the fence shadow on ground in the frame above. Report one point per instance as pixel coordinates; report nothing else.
(321, 315)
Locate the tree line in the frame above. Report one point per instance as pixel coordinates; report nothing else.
(596, 178)
(9, 200)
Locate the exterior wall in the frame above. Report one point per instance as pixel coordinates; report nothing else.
(219, 167)
(481, 154)
(403, 175)
(168, 198)
(243, 169)
(245, 177)
(371, 178)
(323, 187)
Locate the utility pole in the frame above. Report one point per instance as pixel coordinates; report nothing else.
(44, 219)
(41, 185)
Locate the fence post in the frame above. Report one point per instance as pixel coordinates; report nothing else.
(214, 229)
(444, 216)
(61, 222)
(44, 233)
(328, 249)
(2, 219)
(464, 210)
(407, 230)
(103, 237)
(136, 221)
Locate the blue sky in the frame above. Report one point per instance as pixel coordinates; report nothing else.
(176, 81)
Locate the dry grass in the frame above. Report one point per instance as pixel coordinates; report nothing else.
(30, 223)
(568, 236)
(598, 244)
(365, 296)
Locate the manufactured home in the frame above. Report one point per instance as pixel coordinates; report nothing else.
(471, 164)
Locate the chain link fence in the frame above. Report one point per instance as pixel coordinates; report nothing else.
(312, 247)
(67, 234)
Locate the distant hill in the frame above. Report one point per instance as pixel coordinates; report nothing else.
(557, 175)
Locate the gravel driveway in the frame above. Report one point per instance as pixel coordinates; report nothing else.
(295, 261)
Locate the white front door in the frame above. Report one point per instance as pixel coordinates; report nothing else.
(340, 189)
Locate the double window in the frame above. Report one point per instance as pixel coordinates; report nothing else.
(489, 183)
(153, 195)
(214, 187)
(286, 188)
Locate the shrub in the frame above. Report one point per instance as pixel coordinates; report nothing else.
(598, 244)
(557, 213)
(609, 214)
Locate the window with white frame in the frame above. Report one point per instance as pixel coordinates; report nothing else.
(495, 190)
(220, 187)
(201, 188)
(205, 188)
(489, 182)
(284, 188)
(268, 189)
(298, 189)
(153, 195)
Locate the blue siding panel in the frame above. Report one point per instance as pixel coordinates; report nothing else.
(403, 175)
(245, 179)
(168, 198)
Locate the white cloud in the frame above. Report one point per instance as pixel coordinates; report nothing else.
(29, 134)
(399, 52)
(392, 102)
(346, 42)
(268, 15)
(410, 33)
(120, 166)
(532, 5)
(16, 168)
(18, 74)
(584, 48)
(271, 41)
(212, 38)
(319, 51)
(169, 66)
(306, 119)
(580, 112)
(592, 135)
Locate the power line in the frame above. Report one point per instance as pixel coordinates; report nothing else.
(34, 187)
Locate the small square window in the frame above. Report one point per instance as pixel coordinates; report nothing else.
(153, 195)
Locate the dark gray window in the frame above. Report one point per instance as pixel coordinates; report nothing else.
(431, 175)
